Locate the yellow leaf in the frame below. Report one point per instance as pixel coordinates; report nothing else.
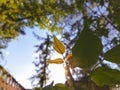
(56, 61)
(58, 46)
(69, 56)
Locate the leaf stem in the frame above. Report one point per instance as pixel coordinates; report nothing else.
(70, 75)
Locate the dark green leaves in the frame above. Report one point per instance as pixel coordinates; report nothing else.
(113, 55)
(106, 76)
(86, 50)
(58, 86)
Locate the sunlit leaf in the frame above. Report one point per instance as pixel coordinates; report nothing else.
(68, 57)
(113, 55)
(106, 76)
(86, 49)
(56, 61)
(48, 87)
(58, 46)
(2, 1)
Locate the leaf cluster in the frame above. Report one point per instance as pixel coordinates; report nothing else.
(98, 17)
(82, 58)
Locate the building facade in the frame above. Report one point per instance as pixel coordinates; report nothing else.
(7, 82)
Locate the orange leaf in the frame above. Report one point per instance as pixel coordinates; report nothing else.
(56, 61)
(69, 56)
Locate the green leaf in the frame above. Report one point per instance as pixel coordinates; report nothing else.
(58, 46)
(55, 61)
(48, 87)
(86, 50)
(37, 88)
(60, 87)
(113, 55)
(2, 1)
(106, 76)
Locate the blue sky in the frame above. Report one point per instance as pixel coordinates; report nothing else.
(19, 55)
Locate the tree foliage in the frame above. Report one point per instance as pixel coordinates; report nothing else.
(56, 14)
(41, 65)
(16, 15)
(99, 19)
(96, 17)
(95, 76)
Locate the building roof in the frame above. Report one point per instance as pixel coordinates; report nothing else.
(6, 77)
